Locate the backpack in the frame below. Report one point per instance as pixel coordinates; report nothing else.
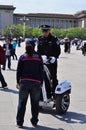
(2, 56)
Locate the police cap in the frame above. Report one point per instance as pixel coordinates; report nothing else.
(45, 28)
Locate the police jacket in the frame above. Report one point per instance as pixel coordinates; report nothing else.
(30, 68)
(49, 46)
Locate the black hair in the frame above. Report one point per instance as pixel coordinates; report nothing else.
(29, 50)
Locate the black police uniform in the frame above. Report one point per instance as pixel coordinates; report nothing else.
(84, 49)
(50, 46)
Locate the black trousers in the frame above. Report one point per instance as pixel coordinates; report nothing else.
(26, 88)
(9, 61)
(53, 70)
(14, 54)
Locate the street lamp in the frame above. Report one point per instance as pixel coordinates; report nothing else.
(11, 32)
(24, 19)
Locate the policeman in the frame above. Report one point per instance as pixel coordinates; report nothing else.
(48, 45)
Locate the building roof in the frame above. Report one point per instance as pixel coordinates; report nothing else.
(81, 14)
(7, 7)
(47, 15)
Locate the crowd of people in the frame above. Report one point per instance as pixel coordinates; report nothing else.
(30, 71)
(78, 43)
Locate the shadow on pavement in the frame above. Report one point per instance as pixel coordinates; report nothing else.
(73, 117)
(69, 117)
(9, 90)
(41, 128)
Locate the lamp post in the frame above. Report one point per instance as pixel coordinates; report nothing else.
(24, 19)
(11, 32)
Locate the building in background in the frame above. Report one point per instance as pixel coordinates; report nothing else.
(7, 18)
(54, 20)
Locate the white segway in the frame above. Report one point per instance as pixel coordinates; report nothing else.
(61, 100)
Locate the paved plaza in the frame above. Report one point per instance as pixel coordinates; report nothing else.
(71, 67)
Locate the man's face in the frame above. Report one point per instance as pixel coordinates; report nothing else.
(46, 32)
(7, 40)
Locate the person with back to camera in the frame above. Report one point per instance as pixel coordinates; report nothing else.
(49, 47)
(29, 81)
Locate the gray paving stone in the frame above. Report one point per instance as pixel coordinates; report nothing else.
(71, 67)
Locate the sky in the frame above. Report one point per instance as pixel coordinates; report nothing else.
(46, 6)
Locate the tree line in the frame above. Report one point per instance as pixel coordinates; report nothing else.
(17, 30)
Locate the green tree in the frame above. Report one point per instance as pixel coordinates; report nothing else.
(36, 32)
(16, 30)
(28, 32)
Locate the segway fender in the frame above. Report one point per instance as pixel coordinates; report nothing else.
(63, 87)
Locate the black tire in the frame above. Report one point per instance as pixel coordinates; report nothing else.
(62, 103)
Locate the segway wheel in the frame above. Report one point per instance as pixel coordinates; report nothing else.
(62, 103)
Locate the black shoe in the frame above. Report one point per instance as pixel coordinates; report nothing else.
(3, 68)
(33, 124)
(4, 86)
